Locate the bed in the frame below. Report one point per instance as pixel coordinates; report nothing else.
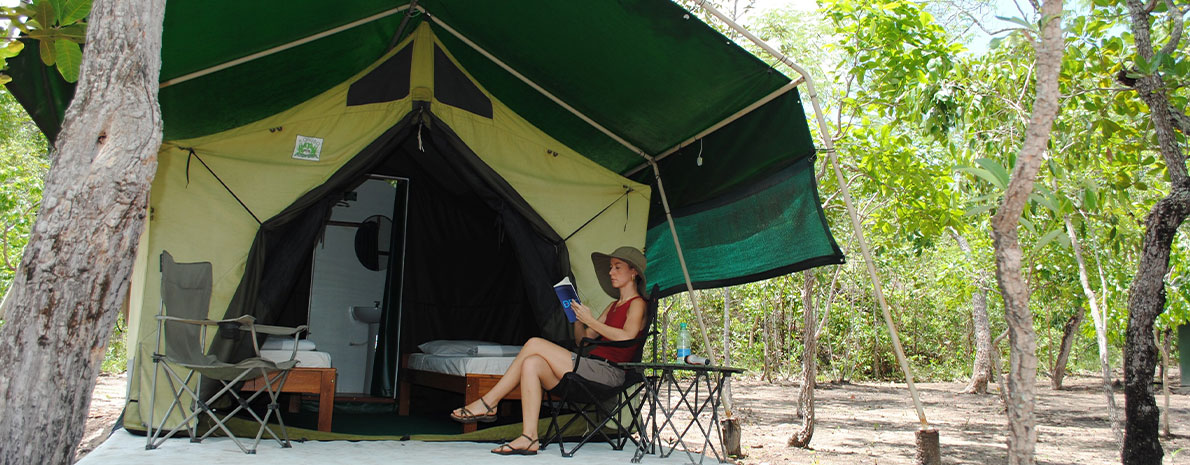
(313, 375)
(456, 366)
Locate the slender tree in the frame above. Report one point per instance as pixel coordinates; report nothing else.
(981, 367)
(809, 365)
(1022, 376)
(1099, 316)
(74, 276)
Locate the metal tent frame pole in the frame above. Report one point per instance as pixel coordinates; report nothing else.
(857, 229)
(706, 340)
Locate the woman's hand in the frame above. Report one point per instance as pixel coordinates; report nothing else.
(582, 313)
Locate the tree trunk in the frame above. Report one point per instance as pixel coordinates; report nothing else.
(74, 275)
(1165, 383)
(1022, 377)
(765, 375)
(1099, 316)
(727, 401)
(1147, 299)
(1141, 444)
(802, 437)
(981, 367)
(995, 353)
(1069, 333)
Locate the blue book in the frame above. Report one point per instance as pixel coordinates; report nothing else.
(566, 294)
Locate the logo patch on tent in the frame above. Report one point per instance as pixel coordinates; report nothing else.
(307, 148)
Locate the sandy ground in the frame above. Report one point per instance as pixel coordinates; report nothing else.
(106, 403)
(873, 423)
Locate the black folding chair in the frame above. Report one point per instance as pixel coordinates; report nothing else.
(590, 401)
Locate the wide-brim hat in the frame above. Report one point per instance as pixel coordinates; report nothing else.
(630, 255)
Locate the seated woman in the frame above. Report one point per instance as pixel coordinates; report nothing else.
(541, 364)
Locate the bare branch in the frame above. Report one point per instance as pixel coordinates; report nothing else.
(1096, 89)
(1036, 7)
(976, 21)
(1025, 84)
(1175, 21)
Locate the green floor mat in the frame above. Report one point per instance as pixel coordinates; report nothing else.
(389, 429)
(376, 424)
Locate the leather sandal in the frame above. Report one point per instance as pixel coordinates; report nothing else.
(467, 417)
(507, 449)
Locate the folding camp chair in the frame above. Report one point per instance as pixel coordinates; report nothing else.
(589, 400)
(182, 324)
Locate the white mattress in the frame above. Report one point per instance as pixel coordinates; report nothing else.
(305, 358)
(460, 365)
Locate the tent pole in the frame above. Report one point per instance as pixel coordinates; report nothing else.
(726, 121)
(702, 327)
(857, 229)
(281, 48)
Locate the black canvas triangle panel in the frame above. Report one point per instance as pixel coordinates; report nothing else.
(388, 82)
(453, 88)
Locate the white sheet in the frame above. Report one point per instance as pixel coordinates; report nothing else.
(460, 365)
(305, 358)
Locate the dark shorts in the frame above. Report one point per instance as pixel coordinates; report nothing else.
(598, 371)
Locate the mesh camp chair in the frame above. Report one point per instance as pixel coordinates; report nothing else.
(182, 326)
(600, 406)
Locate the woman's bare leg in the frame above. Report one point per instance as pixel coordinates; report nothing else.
(558, 357)
(538, 372)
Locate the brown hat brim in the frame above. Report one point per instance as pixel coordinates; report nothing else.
(603, 263)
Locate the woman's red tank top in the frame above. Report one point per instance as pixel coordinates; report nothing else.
(616, 319)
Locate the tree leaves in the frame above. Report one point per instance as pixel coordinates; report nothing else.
(59, 28)
(44, 13)
(989, 170)
(72, 11)
(47, 52)
(69, 56)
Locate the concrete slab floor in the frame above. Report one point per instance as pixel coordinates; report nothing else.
(124, 448)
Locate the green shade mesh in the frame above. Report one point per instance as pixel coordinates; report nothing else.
(778, 229)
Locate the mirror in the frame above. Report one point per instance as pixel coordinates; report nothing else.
(372, 242)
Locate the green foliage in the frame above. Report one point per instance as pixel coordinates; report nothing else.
(927, 134)
(58, 26)
(115, 360)
(23, 166)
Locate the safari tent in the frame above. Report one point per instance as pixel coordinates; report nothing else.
(507, 142)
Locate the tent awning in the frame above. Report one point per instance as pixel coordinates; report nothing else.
(647, 70)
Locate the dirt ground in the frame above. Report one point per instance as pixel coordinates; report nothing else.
(873, 423)
(106, 403)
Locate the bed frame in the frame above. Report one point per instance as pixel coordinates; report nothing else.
(471, 386)
(315, 381)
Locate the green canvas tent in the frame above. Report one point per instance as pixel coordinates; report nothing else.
(527, 136)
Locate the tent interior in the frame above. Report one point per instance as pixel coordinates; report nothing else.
(454, 262)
